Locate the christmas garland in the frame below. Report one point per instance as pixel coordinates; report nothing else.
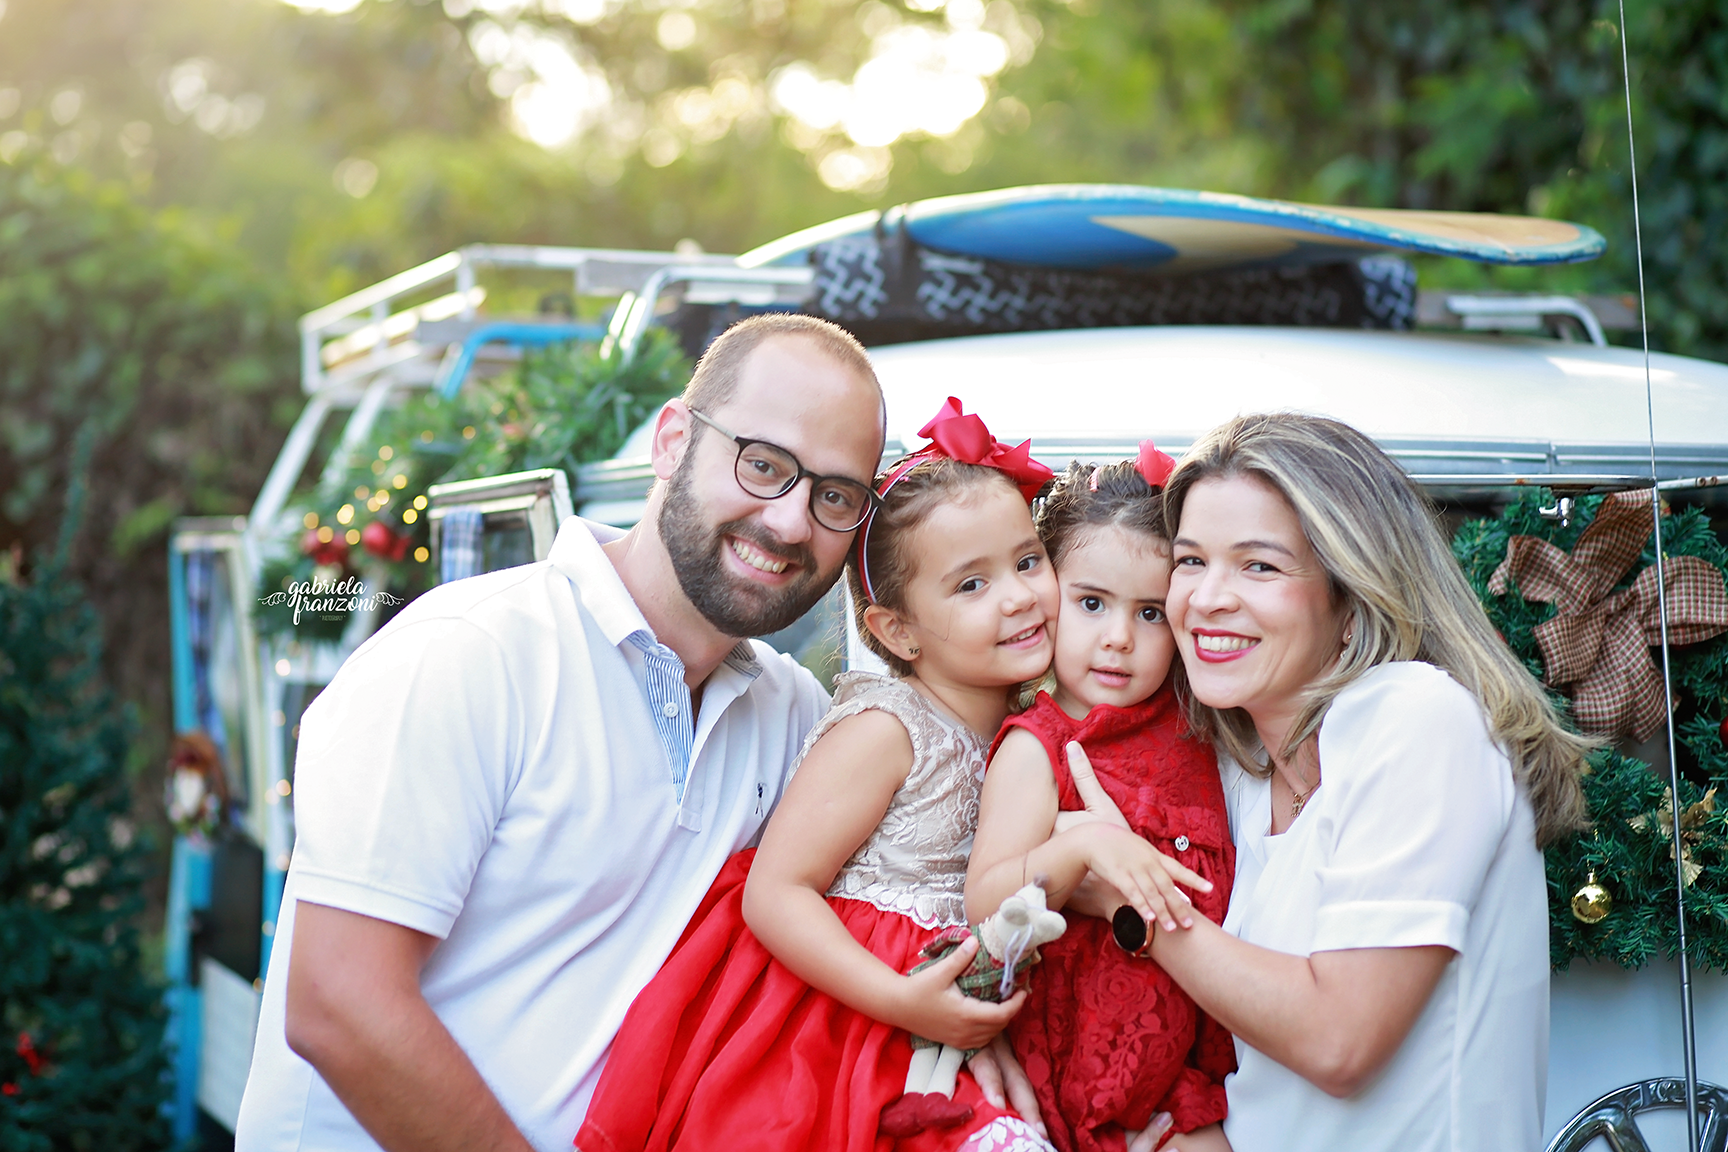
(562, 406)
(1611, 888)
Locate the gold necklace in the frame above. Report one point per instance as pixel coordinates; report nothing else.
(1298, 800)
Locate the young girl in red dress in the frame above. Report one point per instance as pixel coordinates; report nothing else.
(1108, 1040)
(781, 1020)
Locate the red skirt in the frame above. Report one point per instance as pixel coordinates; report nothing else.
(726, 1048)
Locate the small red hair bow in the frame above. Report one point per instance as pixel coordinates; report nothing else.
(1154, 466)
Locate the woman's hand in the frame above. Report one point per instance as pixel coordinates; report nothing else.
(1099, 806)
(1208, 1139)
(930, 1005)
(1004, 1083)
(1145, 876)
(1142, 875)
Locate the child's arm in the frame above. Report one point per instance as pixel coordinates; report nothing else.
(1020, 798)
(1016, 813)
(835, 800)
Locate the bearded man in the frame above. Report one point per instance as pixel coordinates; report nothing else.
(512, 798)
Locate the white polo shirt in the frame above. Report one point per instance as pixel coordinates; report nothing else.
(1417, 835)
(500, 767)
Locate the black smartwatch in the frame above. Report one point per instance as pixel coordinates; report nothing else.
(1132, 934)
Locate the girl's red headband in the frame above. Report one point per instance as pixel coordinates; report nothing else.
(953, 435)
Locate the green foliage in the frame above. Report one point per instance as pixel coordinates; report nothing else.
(568, 405)
(176, 354)
(1626, 847)
(143, 326)
(1513, 107)
(258, 114)
(82, 1065)
(563, 406)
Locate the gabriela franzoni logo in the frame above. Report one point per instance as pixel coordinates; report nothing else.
(329, 597)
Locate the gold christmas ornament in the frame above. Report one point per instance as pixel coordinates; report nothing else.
(1592, 903)
(1692, 824)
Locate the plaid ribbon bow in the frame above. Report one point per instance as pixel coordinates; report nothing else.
(1598, 646)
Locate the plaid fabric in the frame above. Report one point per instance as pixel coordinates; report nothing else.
(459, 555)
(1597, 647)
(982, 979)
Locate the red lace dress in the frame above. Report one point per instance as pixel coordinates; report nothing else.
(727, 1049)
(1108, 1039)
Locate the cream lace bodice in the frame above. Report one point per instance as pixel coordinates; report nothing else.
(914, 863)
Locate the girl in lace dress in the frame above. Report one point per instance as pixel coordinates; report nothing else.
(781, 1020)
(1107, 1038)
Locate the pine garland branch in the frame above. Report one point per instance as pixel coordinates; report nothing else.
(1626, 847)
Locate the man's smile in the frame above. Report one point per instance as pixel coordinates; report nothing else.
(755, 557)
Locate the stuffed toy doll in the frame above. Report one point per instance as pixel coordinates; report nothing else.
(1007, 945)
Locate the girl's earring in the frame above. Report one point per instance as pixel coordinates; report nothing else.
(916, 650)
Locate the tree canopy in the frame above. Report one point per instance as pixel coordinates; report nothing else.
(343, 140)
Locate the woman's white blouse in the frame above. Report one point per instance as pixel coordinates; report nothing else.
(1417, 835)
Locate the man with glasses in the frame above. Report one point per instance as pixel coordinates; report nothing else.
(510, 801)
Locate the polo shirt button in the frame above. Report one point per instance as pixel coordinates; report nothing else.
(669, 709)
(1181, 843)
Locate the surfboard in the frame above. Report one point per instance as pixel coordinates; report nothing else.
(1170, 231)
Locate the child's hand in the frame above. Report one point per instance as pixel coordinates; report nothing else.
(1145, 876)
(932, 1006)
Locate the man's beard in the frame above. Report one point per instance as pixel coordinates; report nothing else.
(734, 606)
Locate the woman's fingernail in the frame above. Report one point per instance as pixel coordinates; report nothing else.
(1162, 1121)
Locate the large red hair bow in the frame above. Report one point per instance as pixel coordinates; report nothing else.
(964, 439)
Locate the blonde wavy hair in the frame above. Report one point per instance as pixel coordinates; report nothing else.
(1376, 536)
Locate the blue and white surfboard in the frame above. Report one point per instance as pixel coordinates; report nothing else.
(1174, 231)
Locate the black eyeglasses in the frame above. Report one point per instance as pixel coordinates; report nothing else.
(767, 471)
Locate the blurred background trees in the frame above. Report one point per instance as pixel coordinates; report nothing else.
(180, 178)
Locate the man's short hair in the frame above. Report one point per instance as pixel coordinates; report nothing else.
(716, 376)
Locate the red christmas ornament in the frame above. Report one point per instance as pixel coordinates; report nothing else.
(324, 552)
(378, 539)
(9, 1088)
(1722, 731)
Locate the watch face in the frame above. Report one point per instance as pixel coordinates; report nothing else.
(1128, 928)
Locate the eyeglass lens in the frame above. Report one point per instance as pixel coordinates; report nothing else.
(767, 472)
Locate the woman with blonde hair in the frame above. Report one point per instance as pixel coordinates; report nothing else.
(1384, 964)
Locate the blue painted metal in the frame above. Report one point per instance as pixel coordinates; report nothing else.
(1083, 226)
(188, 893)
(180, 645)
(185, 1018)
(506, 332)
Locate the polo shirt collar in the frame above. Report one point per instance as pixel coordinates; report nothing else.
(577, 554)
